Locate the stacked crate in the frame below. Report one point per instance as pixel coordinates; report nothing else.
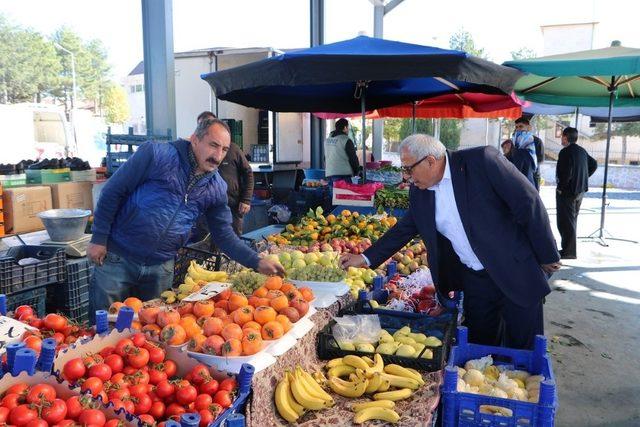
(71, 297)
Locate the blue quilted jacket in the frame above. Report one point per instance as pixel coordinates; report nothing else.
(145, 213)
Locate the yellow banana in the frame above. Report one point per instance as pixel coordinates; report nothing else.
(385, 414)
(300, 410)
(341, 371)
(415, 371)
(394, 395)
(355, 361)
(374, 383)
(346, 388)
(334, 362)
(401, 382)
(189, 281)
(403, 372)
(367, 359)
(313, 386)
(304, 398)
(282, 402)
(357, 407)
(378, 366)
(385, 384)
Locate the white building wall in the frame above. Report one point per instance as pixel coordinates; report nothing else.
(567, 38)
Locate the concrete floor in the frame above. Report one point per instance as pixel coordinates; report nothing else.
(592, 317)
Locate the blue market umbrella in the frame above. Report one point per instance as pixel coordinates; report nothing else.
(358, 74)
(608, 77)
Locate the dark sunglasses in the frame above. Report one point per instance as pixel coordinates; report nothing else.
(408, 169)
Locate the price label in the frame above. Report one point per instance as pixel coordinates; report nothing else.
(11, 331)
(208, 291)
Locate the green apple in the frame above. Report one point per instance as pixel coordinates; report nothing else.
(310, 258)
(299, 263)
(297, 255)
(285, 257)
(325, 260)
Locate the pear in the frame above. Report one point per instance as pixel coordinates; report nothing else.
(432, 342)
(405, 340)
(405, 350)
(386, 348)
(345, 345)
(365, 348)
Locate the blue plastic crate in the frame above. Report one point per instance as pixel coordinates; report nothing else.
(34, 297)
(314, 173)
(463, 409)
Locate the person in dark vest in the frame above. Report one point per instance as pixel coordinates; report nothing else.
(573, 170)
(340, 159)
(520, 159)
(523, 124)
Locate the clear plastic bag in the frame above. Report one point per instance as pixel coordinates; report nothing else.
(279, 213)
(361, 328)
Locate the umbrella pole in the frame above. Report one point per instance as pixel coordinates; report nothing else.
(601, 234)
(578, 113)
(364, 145)
(413, 117)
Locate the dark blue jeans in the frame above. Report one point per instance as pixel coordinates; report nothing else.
(118, 278)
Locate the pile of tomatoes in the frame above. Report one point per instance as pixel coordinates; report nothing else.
(40, 406)
(54, 326)
(136, 376)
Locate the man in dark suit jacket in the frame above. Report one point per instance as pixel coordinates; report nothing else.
(486, 231)
(573, 170)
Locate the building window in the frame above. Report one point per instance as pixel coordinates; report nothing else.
(133, 88)
(139, 88)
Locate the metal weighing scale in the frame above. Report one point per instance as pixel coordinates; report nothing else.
(74, 248)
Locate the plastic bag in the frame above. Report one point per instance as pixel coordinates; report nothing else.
(361, 328)
(279, 213)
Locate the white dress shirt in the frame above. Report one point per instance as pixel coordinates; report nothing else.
(448, 221)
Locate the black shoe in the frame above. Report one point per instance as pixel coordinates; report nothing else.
(42, 164)
(567, 256)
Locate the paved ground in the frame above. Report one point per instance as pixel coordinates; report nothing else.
(592, 317)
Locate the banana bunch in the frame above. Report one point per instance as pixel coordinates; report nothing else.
(385, 384)
(299, 392)
(198, 273)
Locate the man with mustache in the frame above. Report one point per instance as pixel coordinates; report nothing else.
(148, 207)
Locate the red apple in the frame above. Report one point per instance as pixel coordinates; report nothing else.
(300, 305)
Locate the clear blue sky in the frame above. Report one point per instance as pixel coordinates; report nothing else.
(497, 26)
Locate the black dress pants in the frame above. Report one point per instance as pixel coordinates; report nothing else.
(567, 208)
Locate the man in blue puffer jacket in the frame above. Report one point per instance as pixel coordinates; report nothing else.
(146, 211)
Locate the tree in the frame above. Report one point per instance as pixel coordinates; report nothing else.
(463, 40)
(449, 130)
(115, 104)
(392, 129)
(523, 53)
(623, 130)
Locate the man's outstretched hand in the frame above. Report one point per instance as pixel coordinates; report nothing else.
(352, 260)
(270, 267)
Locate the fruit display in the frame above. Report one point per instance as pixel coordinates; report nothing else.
(230, 324)
(298, 392)
(481, 376)
(194, 280)
(247, 281)
(358, 279)
(55, 326)
(392, 198)
(28, 405)
(315, 228)
(135, 375)
(314, 183)
(402, 343)
(317, 273)
(414, 293)
(411, 258)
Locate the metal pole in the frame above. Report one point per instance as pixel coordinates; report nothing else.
(606, 159)
(364, 145)
(413, 117)
(577, 114)
(316, 126)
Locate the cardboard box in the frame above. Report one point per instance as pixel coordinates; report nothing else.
(21, 208)
(72, 195)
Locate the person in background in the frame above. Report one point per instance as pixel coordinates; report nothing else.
(340, 159)
(520, 159)
(146, 211)
(236, 172)
(523, 124)
(486, 231)
(573, 170)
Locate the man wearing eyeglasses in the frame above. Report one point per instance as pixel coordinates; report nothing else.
(147, 209)
(486, 232)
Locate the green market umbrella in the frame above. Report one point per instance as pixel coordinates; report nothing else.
(608, 77)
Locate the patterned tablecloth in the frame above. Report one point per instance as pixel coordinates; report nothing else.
(261, 411)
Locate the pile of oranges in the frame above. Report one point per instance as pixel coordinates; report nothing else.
(132, 302)
(230, 324)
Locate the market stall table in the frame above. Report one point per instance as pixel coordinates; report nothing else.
(419, 410)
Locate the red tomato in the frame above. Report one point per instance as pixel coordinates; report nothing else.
(74, 407)
(174, 409)
(203, 401)
(209, 387)
(156, 355)
(19, 388)
(228, 384)
(164, 389)
(92, 359)
(114, 423)
(93, 385)
(35, 322)
(138, 357)
(139, 377)
(123, 346)
(37, 423)
(222, 398)
(139, 339)
(55, 322)
(115, 362)
(59, 337)
(108, 350)
(22, 415)
(55, 413)
(118, 379)
(120, 393)
(157, 410)
(117, 403)
(4, 414)
(11, 400)
(170, 368)
(92, 417)
(147, 420)
(155, 376)
(129, 406)
(66, 423)
(22, 310)
(200, 373)
(101, 370)
(41, 393)
(73, 369)
(206, 417)
(129, 370)
(186, 395)
(143, 404)
(34, 343)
